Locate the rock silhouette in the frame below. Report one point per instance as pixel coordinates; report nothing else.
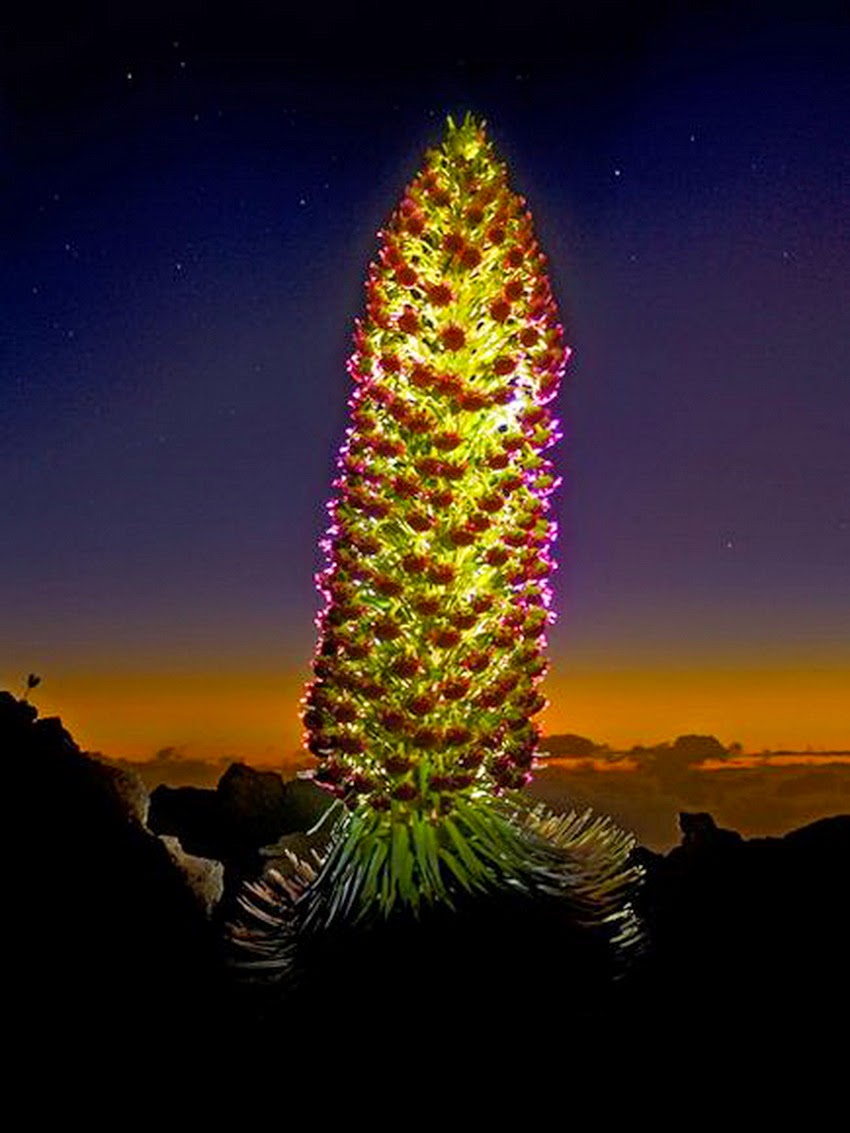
(753, 930)
(248, 810)
(109, 940)
(746, 937)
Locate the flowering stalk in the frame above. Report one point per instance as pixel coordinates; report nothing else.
(430, 655)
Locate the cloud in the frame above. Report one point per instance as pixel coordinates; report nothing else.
(169, 766)
(757, 801)
(643, 790)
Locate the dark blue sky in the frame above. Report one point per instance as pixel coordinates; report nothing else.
(189, 207)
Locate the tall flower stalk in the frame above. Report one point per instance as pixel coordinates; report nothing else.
(431, 646)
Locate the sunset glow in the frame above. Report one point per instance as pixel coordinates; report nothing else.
(253, 715)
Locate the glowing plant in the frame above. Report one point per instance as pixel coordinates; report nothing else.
(430, 655)
(437, 599)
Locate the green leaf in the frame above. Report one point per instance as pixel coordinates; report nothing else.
(473, 863)
(454, 867)
(378, 857)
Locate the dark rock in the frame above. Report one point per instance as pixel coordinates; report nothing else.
(747, 937)
(110, 942)
(751, 930)
(247, 811)
(700, 833)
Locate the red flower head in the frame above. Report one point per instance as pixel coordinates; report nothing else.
(371, 690)
(492, 502)
(499, 310)
(455, 689)
(422, 705)
(446, 638)
(344, 713)
(404, 792)
(441, 574)
(351, 745)
(472, 400)
(406, 276)
(440, 783)
(511, 482)
(455, 736)
(426, 738)
(393, 720)
(453, 471)
(422, 376)
(464, 620)
(462, 536)
(405, 666)
(426, 607)
(440, 294)
(407, 321)
(446, 442)
(429, 467)
(477, 662)
(440, 498)
(478, 522)
(405, 487)
(453, 337)
(414, 564)
(356, 650)
(497, 556)
(470, 257)
(419, 521)
(449, 384)
(386, 629)
(389, 587)
(398, 764)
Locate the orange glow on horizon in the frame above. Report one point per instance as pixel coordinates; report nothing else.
(761, 707)
(253, 716)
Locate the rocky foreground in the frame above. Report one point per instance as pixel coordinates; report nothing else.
(119, 903)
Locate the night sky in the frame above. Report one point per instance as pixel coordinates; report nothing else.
(189, 206)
